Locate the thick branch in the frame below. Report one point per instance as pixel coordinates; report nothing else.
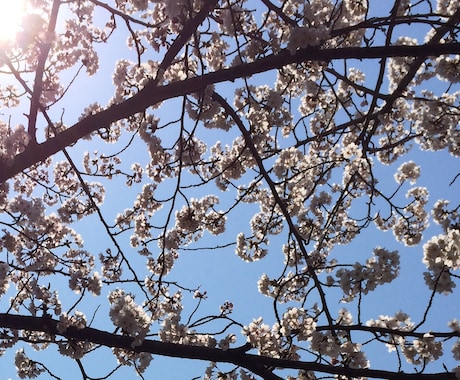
(237, 356)
(38, 83)
(152, 94)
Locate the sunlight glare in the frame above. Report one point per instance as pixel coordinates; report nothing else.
(11, 13)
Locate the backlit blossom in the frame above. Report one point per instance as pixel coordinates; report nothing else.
(261, 336)
(408, 171)
(4, 278)
(448, 68)
(382, 268)
(423, 350)
(441, 255)
(129, 316)
(302, 37)
(26, 368)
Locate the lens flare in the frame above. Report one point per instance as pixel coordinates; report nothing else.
(11, 13)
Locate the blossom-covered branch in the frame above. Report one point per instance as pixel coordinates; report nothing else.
(152, 95)
(238, 356)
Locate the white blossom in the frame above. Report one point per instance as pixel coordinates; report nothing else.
(423, 350)
(4, 278)
(441, 255)
(448, 68)
(408, 171)
(262, 337)
(26, 367)
(129, 316)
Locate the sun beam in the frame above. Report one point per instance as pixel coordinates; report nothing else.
(11, 13)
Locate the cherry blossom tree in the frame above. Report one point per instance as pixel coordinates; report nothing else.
(138, 134)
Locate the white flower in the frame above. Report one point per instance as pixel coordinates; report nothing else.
(131, 318)
(441, 254)
(448, 68)
(262, 337)
(4, 277)
(78, 320)
(296, 321)
(407, 171)
(26, 367)
(304, 36)
(422, 350)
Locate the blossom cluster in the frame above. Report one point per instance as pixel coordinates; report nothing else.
(441, 255)
(399, 322)
(80, 272)
(262, 337)
(111, 266)
(40, 298)
(305, 36)
(409, 228)
(140, 360)
(9, 339)
(249, 249)
(197, 216)
(289, 287)
(75, 349)
(382, 268)
(418, 351)
(398, 67)
(175, 332)
(130, 317)
(436, 119)
(4, 277)
(12, 142)
(408, 171)
(448, 68)
(78, 320)
(213, 372)
(423, 350)
(296, 321)
(339, 346)
(346, 88)
(77, 43)
(448, 219)
(229, 162)
(26, 368)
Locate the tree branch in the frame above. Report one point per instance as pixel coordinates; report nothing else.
(38, 83)
(151, 94)
(235, 356)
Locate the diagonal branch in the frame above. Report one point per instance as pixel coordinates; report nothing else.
(292, 227)
(151, 94)
(409, 76)
(189, 29)
(38, 83)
